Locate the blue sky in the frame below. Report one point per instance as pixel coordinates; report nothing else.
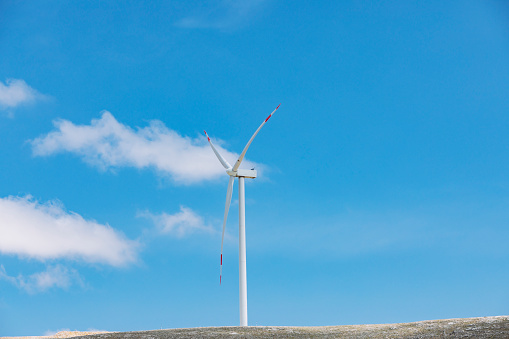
(383, 188)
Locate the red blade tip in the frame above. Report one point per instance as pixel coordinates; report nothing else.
(272, 113)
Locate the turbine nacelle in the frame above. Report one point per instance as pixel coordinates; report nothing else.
(242, 173)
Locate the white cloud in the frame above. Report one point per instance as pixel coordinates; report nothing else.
(106, 143)
(47, 231)
(16, 92)
(56, 276)
(225, 14)
(179, 224)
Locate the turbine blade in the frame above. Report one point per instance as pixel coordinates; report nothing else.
(229, 192)
(225, 163)
(241, 157)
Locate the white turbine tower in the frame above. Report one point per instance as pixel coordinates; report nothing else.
(241, 174)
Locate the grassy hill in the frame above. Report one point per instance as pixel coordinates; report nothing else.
(486, 327)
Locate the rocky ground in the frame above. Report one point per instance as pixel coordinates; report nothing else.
(486, 327)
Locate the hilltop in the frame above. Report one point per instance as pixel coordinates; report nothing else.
(485, 327)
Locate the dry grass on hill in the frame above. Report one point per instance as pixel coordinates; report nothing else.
(61, 334)
(485, 327)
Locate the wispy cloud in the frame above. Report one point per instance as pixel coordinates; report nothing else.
(106, 143)
(350, 234)
(16, 92)
(456, 228)
(225, 14)
(179, 224)
(46, 231)
(56, 276)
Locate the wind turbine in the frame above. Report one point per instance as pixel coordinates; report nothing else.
(234, 172)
